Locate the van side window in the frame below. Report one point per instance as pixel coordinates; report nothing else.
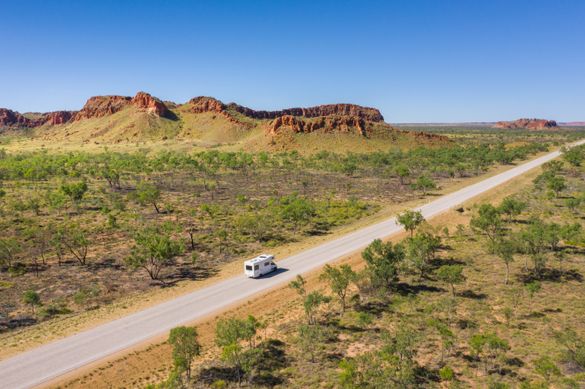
(256, 267)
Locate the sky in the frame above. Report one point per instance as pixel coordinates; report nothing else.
(415, 60)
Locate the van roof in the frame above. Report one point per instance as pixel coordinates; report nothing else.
(261, 258)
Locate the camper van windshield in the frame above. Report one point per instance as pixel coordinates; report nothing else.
(248, 267)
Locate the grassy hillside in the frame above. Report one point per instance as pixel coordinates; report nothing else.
(128, 125)
(227, 130)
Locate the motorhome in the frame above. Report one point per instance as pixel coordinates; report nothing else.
(259, 266)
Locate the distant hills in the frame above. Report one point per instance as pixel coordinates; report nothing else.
(210, 123)
(531, 124)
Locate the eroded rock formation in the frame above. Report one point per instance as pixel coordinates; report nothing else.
(366, 113)
(151, 104)
(100, 106)
(57, 117)
(9, 118)
(344, 124)
(531, 124)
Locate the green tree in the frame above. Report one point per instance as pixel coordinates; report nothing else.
(339, 279)
(311, 301)
(229, 335)
(299, 284)
(452, 275)
(9, 248)
(75, 191)
(575, 155)
(410, 220)
(392, 366)
(311, 304)
(488, 347)
(147, 194)
(185, 348)
(504, 249)
(488, 220)
(424, 184)
(382, 263)
(32, 298)
(512, 207)
(403, 172)
(76, 241)
(310, 340)
(556, 184)
(533, 241)
(153, 250)
(297, 210)
(533, 288)
(420, 251)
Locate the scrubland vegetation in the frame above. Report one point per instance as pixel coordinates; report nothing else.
(81, 229)
(496, 302)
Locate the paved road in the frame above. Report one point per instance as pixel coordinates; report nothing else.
(54, 359)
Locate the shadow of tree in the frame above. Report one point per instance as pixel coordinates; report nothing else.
(272, 359)
(470, 294)
(405, 289)
(551, 275)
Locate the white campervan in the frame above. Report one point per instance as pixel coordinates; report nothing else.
(259, 266)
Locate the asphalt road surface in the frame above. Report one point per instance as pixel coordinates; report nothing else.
(49, 361)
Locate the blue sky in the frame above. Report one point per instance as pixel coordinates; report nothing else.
(415, 60)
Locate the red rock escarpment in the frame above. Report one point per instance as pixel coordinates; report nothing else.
(210, 104)
(531, 124)
(57, 117)
(100, 106)
(205, 104)
(9, 118)
(325, 123)
(332, 117)
(366, 113)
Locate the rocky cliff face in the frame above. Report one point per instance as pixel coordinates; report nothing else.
(343, 124)
(9, 118)
(366, 113)
(328, 118)
(144, 101)
(531, 124)
(100, 106)
(57, 117)
(205, 104)
(342, 118)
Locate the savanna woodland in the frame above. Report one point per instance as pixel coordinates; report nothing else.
(493, 301)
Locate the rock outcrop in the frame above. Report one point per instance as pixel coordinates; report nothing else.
(144, 101)
(57, 117)
(531, 124)
(9, 118)
(100, 106)
(328, 118)
(343, 124)
(205, 104)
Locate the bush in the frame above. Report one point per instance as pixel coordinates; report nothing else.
(446, 373)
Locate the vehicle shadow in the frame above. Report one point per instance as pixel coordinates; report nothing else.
(278, 271)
